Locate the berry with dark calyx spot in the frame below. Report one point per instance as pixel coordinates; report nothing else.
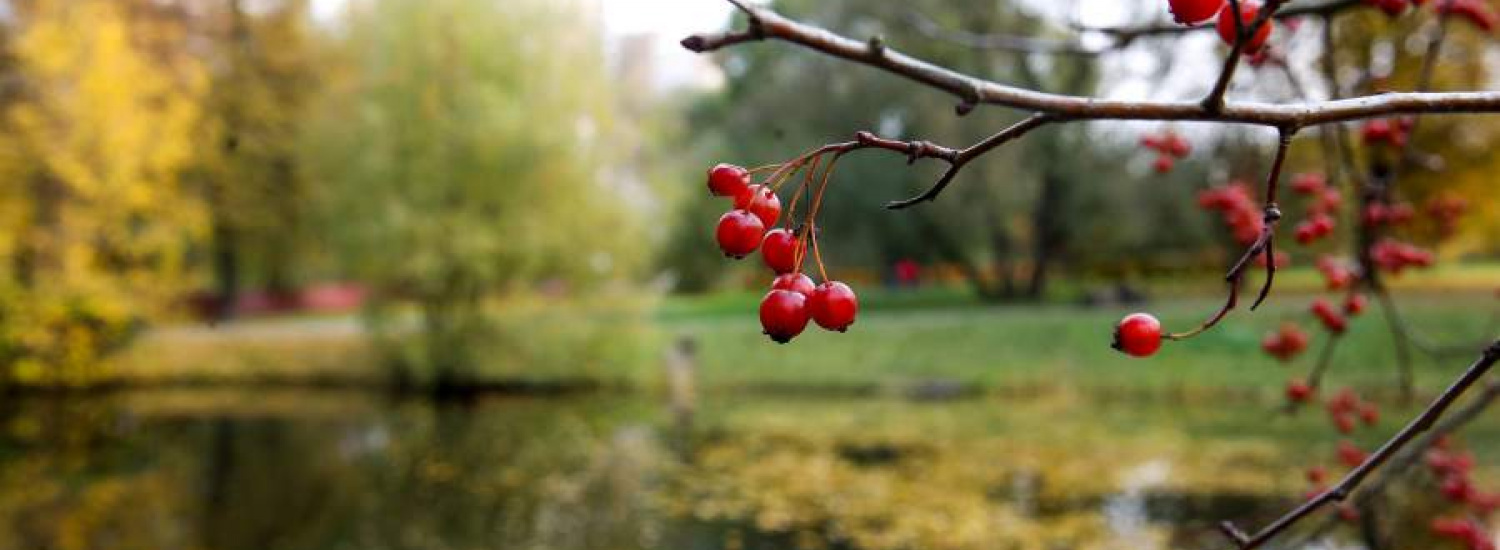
(739, 233)
(761, 201)
(783, 315)
(728, 180)
(795, 282)
(1189, 12)
(834, 306)
(1249, 10)
(1138, 335)
(780, 249)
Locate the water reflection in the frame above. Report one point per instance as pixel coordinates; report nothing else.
(328, 470)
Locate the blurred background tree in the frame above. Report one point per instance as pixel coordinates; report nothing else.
(101, 113)
(466, 158)
(265, 67)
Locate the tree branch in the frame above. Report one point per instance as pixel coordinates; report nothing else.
(1391, 447)
(767, 24)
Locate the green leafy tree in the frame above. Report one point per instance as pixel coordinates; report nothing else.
(467, 157)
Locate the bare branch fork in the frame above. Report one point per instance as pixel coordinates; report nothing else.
(765, 24)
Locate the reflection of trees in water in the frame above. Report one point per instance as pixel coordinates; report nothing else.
(580, 474)
(515, 475)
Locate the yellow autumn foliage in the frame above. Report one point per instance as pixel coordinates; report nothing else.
(96, 222)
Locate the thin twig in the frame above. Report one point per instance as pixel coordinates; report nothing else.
(1352, 480)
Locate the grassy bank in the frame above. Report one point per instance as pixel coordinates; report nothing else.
(903, 338)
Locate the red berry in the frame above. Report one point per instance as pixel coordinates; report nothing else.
(728, 180)
(1355, 304)
(1178, 147)
(1308, 184)
(1350, 455)
(739, 233)
(1369, 414)
(783, 315)
(1162, 165)
(1317, 475)
(761, 201)
(1343, 423)
(834, 306)
(1456, 488)
(1249, 10)
(1298, 391)
(1138, 334)
(1331, 319)
(1376, 131)
(780, 250)
(795, 282)
(1188, 12)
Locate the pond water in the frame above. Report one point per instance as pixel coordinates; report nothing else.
(269, 470)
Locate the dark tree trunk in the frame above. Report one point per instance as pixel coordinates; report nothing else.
(1049, 233)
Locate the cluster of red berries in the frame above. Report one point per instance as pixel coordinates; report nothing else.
(1394, 256)
(1466, 531)
(1241, 213)
(1285, 343)
(1345, 406)
(1445, 210)
(1383, 132)
(1324, 203)
(1452, 470)
(1394, 214)
(1192, 12)
(794, 299)
(1344, 410)
(1169, 148)
(1332, 319)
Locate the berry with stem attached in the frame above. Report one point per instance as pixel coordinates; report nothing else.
(783, 315)
(1228, 30)
(761, 201)
(795, 282)
(728, 180)
(834, 306)
(1138, 335)
(780, 249)
(739, 233)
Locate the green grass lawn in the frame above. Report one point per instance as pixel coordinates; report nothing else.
(901, 338)
(896, 343)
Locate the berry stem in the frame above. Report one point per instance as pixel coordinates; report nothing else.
(817, 252)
